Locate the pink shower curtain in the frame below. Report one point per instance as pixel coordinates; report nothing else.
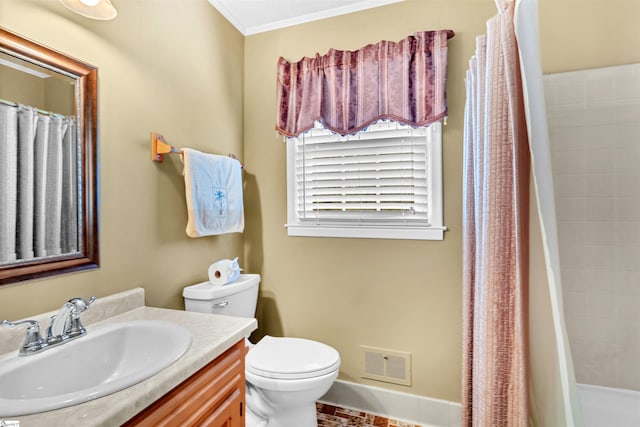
(495, 232)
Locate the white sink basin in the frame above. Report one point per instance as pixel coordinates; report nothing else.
(107, 359)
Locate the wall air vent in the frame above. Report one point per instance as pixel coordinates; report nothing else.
(386, 365)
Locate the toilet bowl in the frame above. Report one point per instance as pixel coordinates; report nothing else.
(284, 376)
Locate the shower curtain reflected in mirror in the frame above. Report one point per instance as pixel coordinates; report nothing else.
(38, 184)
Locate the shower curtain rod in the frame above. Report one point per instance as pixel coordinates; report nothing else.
(46, 113)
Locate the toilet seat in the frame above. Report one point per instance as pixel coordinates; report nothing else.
(291, 358)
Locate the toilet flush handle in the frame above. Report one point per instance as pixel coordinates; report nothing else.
(222, 304)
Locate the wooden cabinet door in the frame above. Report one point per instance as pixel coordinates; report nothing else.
(214, 396)
(229, 414)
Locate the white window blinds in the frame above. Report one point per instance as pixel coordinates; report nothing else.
(381, 177)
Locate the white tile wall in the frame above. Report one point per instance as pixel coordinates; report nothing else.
(594, 127)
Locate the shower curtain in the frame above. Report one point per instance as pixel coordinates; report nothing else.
(495, 232)
(517, 367)
(38, 184)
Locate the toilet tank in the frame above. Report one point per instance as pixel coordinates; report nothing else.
(237, 298)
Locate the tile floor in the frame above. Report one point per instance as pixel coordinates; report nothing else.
(332, 416)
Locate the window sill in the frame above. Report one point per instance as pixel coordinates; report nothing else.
(367, 232)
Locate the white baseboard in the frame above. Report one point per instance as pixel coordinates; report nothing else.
(407, 407)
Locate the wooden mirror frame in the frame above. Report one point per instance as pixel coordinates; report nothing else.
(86, 95)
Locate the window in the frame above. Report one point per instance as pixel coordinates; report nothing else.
(383, 182)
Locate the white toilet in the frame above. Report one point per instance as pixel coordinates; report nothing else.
(285, 376)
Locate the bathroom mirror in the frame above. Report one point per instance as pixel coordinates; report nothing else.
(48, 161)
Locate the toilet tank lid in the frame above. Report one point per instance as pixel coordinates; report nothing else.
(207, 291)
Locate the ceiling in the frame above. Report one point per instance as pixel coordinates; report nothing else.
(257, 16)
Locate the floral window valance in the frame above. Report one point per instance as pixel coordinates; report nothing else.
(348, 90)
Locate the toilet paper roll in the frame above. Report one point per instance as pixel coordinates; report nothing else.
(224, 271)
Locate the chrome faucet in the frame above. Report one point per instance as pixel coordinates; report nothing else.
(66, 324)
(64, 327)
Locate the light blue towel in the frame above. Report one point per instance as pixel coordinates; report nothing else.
(213, 187)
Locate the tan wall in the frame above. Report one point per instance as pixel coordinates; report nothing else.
(173, 67)
(59, 96)
(50, 94)
(578, 34)
(401, 295)
(23, 88)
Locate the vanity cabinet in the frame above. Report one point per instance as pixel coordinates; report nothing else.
(213, 397)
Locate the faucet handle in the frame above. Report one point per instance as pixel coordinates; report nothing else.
(33, 341)
(77, 306)
(31, 324)
(80, 304)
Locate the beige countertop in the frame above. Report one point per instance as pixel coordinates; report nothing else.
(211, 336)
